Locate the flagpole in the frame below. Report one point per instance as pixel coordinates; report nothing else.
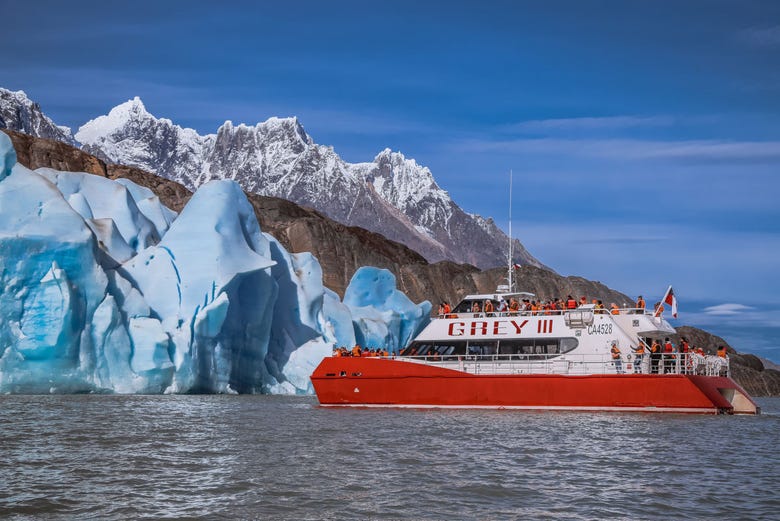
(663, 299)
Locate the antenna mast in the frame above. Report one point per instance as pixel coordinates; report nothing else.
(510, 263)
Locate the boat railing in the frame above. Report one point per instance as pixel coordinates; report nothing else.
(666, 363)
(544, 312)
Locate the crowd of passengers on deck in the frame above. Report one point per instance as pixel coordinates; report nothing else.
(666, 357)
(553, 306)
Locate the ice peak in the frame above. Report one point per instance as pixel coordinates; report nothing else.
(133, 107)
(20, 95)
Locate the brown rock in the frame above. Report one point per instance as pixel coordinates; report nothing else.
(34, 152)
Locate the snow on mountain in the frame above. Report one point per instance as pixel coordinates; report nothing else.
(206, 302)
(391, 195)
(18, 112)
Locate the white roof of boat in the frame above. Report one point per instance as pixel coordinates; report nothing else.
(496, 296)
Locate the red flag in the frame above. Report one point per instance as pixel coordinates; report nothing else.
(671, 300)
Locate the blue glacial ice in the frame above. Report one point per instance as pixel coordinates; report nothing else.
(382, 315)
(104, 289)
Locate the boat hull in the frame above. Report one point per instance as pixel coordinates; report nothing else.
(381, 382)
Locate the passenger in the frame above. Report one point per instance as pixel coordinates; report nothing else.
(722, 351)
(337, 351)
(514, 306)
(475, 307)
(385, 353)
(441, 309)
(488, 307)
(615, 350)
(447, 308)
(600, 309)
(613, 309)
(639, 354)
(669, 357)
(658, 309)
(699, 351)
(583, 300)
(655, 356)
(502, 307)
(357, 351)
(640, 305)
(571, 303)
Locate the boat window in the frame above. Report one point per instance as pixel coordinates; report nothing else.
(538, 346)
(418, 348)
(482, 347)
(465, 306)
(568, 344)
(445, 347)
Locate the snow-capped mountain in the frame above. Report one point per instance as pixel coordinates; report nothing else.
(18, 112)
(391, 195)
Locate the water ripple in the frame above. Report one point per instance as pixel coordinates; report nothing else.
(259, 457)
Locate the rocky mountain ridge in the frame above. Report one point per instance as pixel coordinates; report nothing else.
(18, 112)
(391, 195)
(342, 249)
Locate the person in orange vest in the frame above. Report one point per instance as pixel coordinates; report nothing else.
(356, 351)
(613, 309)
(640, 305)
(655, 356)
(639, 353)
(615, 350)
(514, 306)
(571, 303)
(488, 307)
(337, 351)
(722, 351)
(447, 309)
(668, 356)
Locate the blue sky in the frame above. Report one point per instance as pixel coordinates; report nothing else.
(644, 136)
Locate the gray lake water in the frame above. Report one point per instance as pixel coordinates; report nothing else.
(275, 457)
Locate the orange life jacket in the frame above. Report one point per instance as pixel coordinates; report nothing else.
(615, 352)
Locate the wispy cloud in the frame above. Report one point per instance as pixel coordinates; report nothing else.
(767, 36)
(590, 123)
(728, 309)
(635, 149)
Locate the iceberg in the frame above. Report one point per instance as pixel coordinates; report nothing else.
(382, 315)
(104, 289)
